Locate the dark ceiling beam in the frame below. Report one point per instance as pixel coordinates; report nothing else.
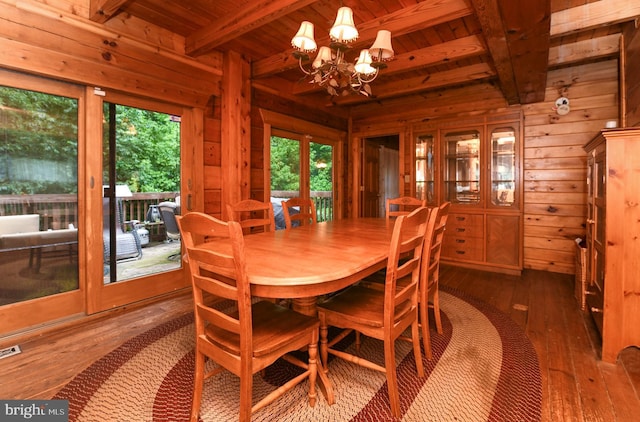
(102, 10)
(404, 21)
(246, 19)
(527, 26)
(490, 20)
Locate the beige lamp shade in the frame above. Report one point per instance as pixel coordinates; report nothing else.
(381, 49)
(324, 56)
(304, 40)
(363, 64)
(344, 30)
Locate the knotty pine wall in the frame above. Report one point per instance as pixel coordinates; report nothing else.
(555, 163)
(632, 75)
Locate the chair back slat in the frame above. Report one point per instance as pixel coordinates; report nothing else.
(305, 212)
(253, 216)
(403, 205)
(218, 274)
(404, 261)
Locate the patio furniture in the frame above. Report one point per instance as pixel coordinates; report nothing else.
(127, 241)
(382, 314)
(306, 212)
(250, 339)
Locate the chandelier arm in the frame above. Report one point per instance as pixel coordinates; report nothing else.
(305, 71)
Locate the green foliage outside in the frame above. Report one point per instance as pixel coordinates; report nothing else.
(38, 143)
(285, 165)
(147, 150)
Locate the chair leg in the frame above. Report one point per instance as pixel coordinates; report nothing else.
(313, 369)
(424, 324)
(246, 396)
(436, 310)
(198, 385)
(392, 381)
(324, 346)
(415, 339)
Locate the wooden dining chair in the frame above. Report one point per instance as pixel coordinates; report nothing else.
(402, 205)
(305, 212)
(382, 314)
(429, 296)
(252, 337)
(252, 215)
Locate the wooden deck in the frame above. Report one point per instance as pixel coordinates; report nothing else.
(577, 385)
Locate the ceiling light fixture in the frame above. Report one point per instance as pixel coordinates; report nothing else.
(330, 69)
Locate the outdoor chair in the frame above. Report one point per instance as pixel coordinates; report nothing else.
(168, 211)
(254, 335)
(298, 211)
(402, 205)
(382, 314)
(128, 245)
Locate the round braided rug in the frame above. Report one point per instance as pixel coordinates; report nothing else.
(484, 369)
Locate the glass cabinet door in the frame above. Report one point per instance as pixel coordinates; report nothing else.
(425, 188)
(503, 166)
(461, 174)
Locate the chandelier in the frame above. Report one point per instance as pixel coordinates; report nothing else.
(330, 69)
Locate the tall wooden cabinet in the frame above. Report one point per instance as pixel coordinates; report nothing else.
(613, 238)
(477, 166)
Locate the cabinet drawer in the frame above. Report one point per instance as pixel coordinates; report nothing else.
(462, 248)
(464, 225)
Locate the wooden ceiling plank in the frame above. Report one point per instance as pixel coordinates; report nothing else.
(404, 21)
(448, 51)
(490, 20)
(595, 48)
(102, 10)
(245, 19)
(592, 15)
(416, 84)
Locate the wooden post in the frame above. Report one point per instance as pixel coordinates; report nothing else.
(236, 130)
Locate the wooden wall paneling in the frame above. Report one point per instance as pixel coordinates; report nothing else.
(84, 52)
(555, 164)
(473, 99)
(192, 159)
(631, 74)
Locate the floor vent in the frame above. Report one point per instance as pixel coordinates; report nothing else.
(9, 351)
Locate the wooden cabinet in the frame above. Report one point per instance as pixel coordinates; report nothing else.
(478, 168)
(613, 238)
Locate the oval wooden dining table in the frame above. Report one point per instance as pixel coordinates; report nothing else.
(313, 260)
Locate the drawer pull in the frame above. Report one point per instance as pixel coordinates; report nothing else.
(461, 218)
(596, 310)
(460, 240)
(460, 229)
(460, 252)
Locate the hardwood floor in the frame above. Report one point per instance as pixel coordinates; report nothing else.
(577, 385)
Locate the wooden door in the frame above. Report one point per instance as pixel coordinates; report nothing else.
(370, 179)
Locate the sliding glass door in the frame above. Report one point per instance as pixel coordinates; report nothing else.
(141, 192)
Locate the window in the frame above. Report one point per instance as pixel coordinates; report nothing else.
(38, 194)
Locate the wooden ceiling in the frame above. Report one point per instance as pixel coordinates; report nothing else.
(438, 43)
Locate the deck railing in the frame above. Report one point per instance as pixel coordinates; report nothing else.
(322, 199)
(59, 211)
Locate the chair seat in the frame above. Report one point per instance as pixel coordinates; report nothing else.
(274, 327)
(360, 305)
